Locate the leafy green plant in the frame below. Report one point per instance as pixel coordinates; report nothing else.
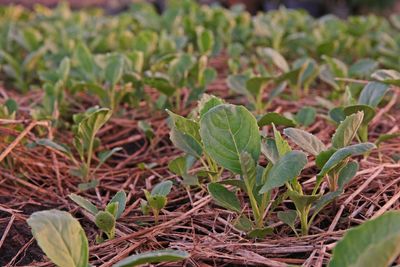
(157, 199)
(335, 167)
(64, 242)
(86, 126)
(368, 100)
(55, 84)
(104, 220)
(374, 243)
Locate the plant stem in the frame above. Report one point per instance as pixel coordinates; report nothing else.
(304, 222)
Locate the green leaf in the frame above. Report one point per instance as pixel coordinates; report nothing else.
(275, 57)
(323, 157)
(255, 84)
(157, 202)
(363, 68)
(146, 128)
(306, 116)
(114, 69)
(112, 207)
(260, 232)
(373, 93)
(224, 197)
(284, 170)
(89, 185)
(347, 130)
(91, 123)
(337, 114)
(302, 202)
(387, 76)
(85, 60)
(185, 134)
(207, 102)
(162, 189)
(61, 238)
(281, 144)
(54, 145)
(248, 167)
(237, 83)
(167, 255)
(120, 198)
(275, 118)
(84, 203)
(228, 130)
(105, 221)
(64, 69)
(369, 112)
(205, 40)
(160, 84)
(270, 151)
(336, 66)
(386, 137)
(105, 155)
(374, 243)
(305, 140)
(347, 173)
(343, 153)
(289, 217)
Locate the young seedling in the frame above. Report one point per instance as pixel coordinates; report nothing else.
(86, 126)
(370, 97)
(333, 163)
(63, 240)
(55, 83)
(157, 199)
(185, 135)
(105, 220)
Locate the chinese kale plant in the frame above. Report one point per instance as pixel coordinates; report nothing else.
(369, 98)
(63, 240)
(157, 199)
(86, 125)
(334, 165)
(104, 220)
(223, 136)
(227, 136)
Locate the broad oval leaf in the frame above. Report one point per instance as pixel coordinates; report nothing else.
(363, 68)
(285, 169)
(306, 116)
(373, 93)
(84, 203)
(224, 197)
(114, 69)
(369, 112)
(162, 189)
(207, 102)
(237, 83)
(347, 130)
(275, 118)
(255, 84)
(275, 57)
(91, 124)
(120, 198)
(344, 153)
(305, 140)
(226, 131)
(374, 243)
(387, 76)
(347, 173)
(167, 255)
(61, 238)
